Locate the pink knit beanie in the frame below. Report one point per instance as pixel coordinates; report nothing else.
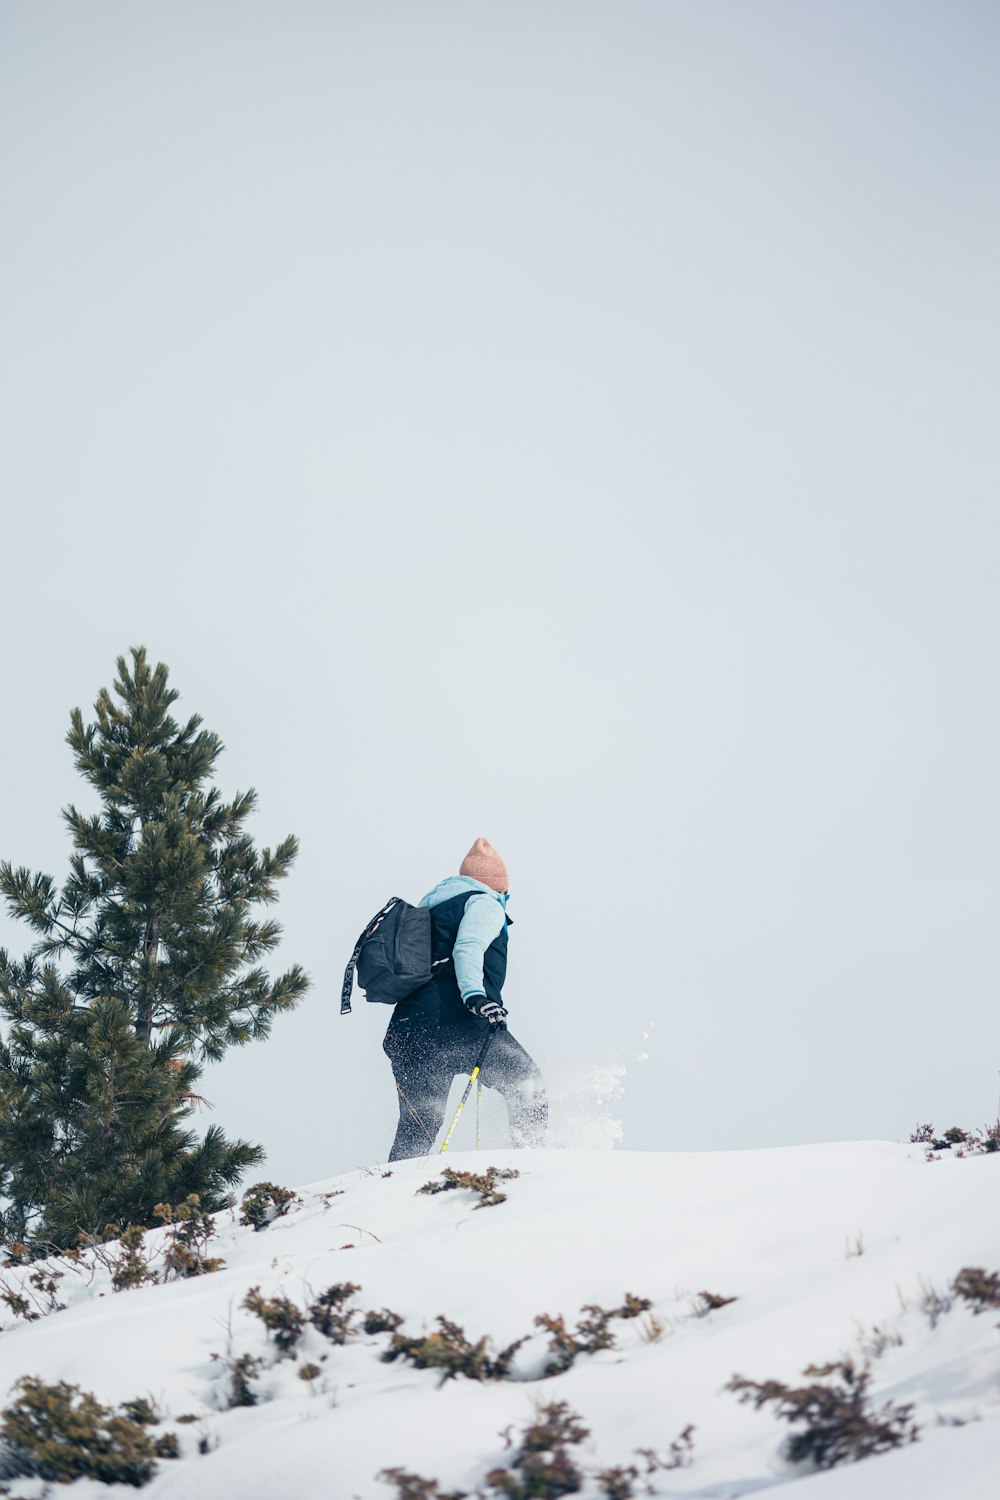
(484, 863)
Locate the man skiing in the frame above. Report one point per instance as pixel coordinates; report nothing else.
(439, 1031)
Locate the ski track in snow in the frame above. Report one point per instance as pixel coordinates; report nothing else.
(772, 1228)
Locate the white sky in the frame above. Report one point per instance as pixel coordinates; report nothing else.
(571, 423)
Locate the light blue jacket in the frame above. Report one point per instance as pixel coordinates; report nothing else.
(484, 920)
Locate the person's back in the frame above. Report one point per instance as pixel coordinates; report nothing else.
(440, 1030)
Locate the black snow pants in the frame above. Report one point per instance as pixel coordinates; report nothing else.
(427, 1053)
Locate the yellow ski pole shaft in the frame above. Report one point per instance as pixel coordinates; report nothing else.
(468, 1088)
(461, 1106)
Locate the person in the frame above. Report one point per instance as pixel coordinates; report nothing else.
(438, 1032)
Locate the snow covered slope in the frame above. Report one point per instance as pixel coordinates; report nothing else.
(778, 1230)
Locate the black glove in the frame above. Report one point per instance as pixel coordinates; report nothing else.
(486, 1010)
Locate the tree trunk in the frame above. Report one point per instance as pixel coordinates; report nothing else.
(150, 948)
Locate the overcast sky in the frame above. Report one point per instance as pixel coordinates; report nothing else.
(570, 423)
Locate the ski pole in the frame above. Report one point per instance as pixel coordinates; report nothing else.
(469, 1086)
(479, 1105)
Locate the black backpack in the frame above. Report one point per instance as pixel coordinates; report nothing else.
(392, 955)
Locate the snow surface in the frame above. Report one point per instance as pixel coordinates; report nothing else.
(778, 1229)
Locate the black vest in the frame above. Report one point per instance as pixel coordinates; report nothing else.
(441, 999)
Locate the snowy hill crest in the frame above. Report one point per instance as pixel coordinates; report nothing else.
(375, 1327)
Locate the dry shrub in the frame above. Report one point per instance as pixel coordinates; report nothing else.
(61, 1433)
(482, 1183)
(415, 1487)
(837, 1421)
(542, 1468)
(264, 1202)
(330, 1313)
(449, 1351)
(241, 1372)
(280, 1316)
(189, 1228)
(592, 1333)
(980, 1288)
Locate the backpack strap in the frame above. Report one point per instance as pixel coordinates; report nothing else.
(348, 985)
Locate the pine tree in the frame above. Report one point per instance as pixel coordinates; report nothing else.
(147, 965)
